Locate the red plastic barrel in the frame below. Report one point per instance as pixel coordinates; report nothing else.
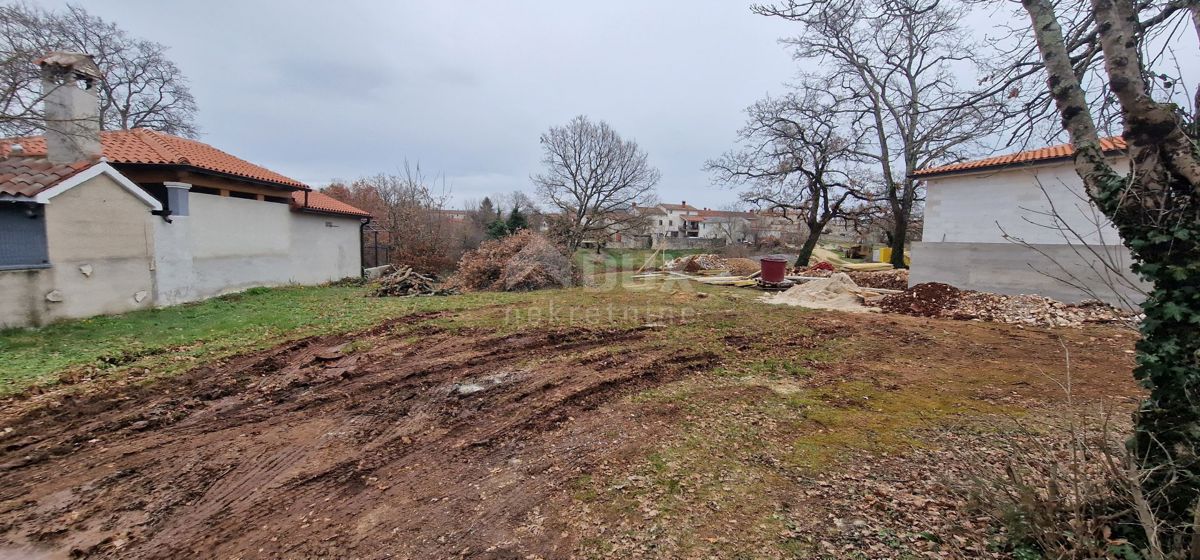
(774, 268)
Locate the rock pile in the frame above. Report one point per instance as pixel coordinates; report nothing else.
(933, 299)
(742, 267)
(406, 282)
(885, 279)
(696, 263)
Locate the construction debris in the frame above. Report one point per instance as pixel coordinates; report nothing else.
(887, 279)
(933, 299)
(737, 266)
(520, 262)
(741, 266)
(696, 263)
(406, 282)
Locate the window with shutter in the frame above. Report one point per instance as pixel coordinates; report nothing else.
(22, 236)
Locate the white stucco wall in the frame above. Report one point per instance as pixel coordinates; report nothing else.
(981, 207)
(964, 244)
(327, 248)
(97, 226)
(238, 243)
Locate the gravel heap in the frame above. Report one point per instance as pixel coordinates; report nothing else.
(706, 261)
(696, 263)
(933, 299)
(885, 279)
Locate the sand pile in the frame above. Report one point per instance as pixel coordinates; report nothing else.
(838, 292)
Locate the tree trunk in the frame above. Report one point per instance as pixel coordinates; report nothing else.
(1156, 210)
(806, 250)
(899, 237)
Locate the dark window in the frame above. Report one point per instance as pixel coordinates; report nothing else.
(22, 236)
(205, 190)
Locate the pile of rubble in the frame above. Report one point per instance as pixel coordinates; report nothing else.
(406, 282)
(821, 269)
(736, 266)
(933, 299)
(742, 267)
(696, 263)
(519, 262)
(885, 279)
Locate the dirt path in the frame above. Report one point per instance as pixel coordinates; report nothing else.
(426, 446)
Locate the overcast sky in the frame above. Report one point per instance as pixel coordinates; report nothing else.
(324, 90)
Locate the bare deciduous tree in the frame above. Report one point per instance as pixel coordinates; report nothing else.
(795, 158)
(1016, 71)
(593, 176)
(142, 87)
(1156, 209)
(405, 209)
(892, 64)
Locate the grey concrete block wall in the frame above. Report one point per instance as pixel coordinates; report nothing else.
(1010, 268)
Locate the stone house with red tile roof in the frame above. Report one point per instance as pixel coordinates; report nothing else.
(105, 222)
(1022, 224)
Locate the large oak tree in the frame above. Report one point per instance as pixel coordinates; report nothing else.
(594, 178)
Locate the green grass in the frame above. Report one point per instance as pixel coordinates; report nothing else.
(177, 338)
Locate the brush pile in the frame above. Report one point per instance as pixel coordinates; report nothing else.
(406, 282)
(520, 262)
(934, 299)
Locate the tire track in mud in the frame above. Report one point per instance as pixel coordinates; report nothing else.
(445, 446)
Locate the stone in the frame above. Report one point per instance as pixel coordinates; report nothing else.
(86, 270)
(54, 296)
(141, 295)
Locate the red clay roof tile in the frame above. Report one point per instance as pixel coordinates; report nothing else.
(26, 176)
(149, 147)
(321, 202)
(1061, 151)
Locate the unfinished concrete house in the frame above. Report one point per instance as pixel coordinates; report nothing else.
(1022, 224)
(105, 222)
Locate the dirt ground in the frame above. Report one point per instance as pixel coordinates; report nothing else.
(416, 441)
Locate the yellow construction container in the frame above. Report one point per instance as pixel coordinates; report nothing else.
(885, 255)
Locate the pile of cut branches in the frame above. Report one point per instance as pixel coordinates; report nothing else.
(406, 282)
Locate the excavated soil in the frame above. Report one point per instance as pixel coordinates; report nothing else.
(377, 445)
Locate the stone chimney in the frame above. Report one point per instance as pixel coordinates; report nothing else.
(70, 83)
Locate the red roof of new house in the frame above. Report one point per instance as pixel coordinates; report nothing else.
(1040, 155)
(321, 202)
(141, 146)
